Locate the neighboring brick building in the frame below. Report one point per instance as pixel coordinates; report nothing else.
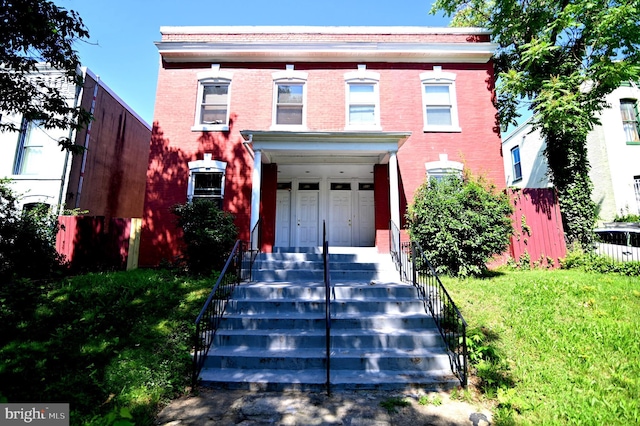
(294, 126)
(108, 180)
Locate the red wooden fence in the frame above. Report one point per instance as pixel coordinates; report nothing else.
(538, 230)
(92, 243)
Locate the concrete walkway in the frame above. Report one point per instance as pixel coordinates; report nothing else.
(348, 408)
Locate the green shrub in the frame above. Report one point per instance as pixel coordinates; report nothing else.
(591, 262)
(460, 224)
(27, 239)
(209, 235)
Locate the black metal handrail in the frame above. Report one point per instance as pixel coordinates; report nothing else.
(211, 313)
(327, 293)
(255, 242)
(451, 324)
(394, 244)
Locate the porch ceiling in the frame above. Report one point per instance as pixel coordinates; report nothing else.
(325, 147)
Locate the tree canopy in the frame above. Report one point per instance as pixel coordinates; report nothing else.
(35, 34)
(560, 59)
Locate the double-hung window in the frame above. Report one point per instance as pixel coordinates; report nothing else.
(439, 103)
(517, 167)
(290, 93)
(214, 95)
(206, 180)
(629, 112)
(363, 99)
(30, 151)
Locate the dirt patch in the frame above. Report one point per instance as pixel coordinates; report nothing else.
(348, 408)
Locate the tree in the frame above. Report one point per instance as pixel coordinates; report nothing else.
(460, 224)
(34, 34)
(559, 58)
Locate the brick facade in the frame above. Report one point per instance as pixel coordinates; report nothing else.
(174, 143)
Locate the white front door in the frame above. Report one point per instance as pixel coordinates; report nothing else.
(307, 219)
(283, 218)
(340, 219)
(366, 219)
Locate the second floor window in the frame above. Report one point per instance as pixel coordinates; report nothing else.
(289, 104)
(440, 109)
(214, 103)
(517, 167)
(629, 112)
(30, 152)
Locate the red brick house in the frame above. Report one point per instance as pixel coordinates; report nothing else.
(293, 126)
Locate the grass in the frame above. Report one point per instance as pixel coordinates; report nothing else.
(392, 404)
(109, 344)
(555, 347)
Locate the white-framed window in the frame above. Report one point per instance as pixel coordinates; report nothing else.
(30, 156)
(629, 113)
(362, 99)
(289, 99)
(439, 101)
(443, 167)
(515, 160)
(206, 180)
(214, 96)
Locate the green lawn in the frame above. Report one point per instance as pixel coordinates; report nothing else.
(560, 347)
(101, 342)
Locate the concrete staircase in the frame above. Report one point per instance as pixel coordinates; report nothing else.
(273, 334)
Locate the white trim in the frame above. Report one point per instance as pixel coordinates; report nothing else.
(301, 29)
(204, 166)
(443, 166)
(212, 76)
(437, 77)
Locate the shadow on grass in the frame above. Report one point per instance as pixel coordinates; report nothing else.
(102, 341)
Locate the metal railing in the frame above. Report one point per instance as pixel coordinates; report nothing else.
(211, 313)
(414, 268)
(327, 294)
(451, 324)
(255, 242)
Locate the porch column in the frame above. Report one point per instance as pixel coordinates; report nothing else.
(256, 180)
(394, 197)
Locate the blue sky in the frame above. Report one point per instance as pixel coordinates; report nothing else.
(122, 33)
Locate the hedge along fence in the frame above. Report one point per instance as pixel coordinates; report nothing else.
(538, 232)
(92, 243)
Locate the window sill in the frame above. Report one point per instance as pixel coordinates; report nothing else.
(442, 129)
(370, 127)
(210, 128)
(517, 180)
(633, 143)
(292, 127)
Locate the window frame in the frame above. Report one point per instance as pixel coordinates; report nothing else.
(362, 78)
(516, 166)
(26, 142)
(207, 78)
(207, 165)
(439, 78)
(635, 122)
(292, 78)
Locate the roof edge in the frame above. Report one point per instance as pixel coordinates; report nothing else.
(321, 30)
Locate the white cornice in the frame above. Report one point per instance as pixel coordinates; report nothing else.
(321, 52)
(321, 30)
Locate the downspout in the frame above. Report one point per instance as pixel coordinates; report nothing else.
(86, 142)
(246, 144)
(64, 179)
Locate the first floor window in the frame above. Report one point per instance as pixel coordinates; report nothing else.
(517, 167)
(30, 151)
(206, 180)
(629, 112)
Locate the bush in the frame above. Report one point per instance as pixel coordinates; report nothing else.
(460, 224)
(27, 239)
(209, 235)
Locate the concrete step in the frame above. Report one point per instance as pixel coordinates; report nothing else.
(293, 305)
